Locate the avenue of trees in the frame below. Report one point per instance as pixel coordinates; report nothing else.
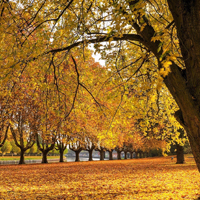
(52, 91)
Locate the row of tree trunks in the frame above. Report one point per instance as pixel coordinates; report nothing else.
(180, 155)
(138, 154)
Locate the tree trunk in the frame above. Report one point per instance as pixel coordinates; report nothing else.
(186, 90)
(90, 154)
(131, 155)
(136, 154)
(119, 155)
(180, 154)
(21, 161)
(61, 155)
(125, 154)
(44, 157)
(140, 154)
(77, 156)
(102, 155)
(110, 155)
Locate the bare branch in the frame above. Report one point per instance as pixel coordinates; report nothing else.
(77, 87)
(67, 6)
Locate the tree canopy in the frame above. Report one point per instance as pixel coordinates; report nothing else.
(145, 43)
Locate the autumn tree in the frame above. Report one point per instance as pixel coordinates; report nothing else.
(76, 144)
(61, 145)
(45, 143)
(23, 119)
(180, 147)
(63, 136)
(6, 148)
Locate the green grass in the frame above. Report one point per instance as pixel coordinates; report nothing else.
(6, 158)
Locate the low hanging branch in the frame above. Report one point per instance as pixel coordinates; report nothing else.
(138, 69)
(77, 87)
(79, 83)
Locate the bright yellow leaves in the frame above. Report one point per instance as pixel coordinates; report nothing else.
(166, 68)
(149, 178)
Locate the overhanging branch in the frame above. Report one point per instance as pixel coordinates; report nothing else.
(133, 37)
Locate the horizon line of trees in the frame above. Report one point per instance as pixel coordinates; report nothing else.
(39, 112)
(10, 148)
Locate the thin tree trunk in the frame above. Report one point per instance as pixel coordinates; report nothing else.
(102, 155)
(131, 155)
(77, 156)
(136, 154)
(90, 154)
(119, 155)
(61, 155)
(21, 161)
(180, 154)
(125, 155)
(110, 155)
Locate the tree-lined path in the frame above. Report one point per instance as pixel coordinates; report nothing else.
(54, 96)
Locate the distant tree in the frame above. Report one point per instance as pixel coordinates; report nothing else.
(22, 131)
(180, 148)
(61, 147)
(45, 144)
(76, 144)
(6, 148)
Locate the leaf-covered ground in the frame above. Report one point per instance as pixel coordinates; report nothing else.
(149, 178)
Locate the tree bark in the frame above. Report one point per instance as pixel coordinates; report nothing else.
(90, 154)
(187, 95)
(77, 156)
(110, 155)
(131, 155)
(44, 157)
(136, 154)
(21, 161)
(125, 154)
(102, 155)
(119, 155)
(61, 155)
(180, 154)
